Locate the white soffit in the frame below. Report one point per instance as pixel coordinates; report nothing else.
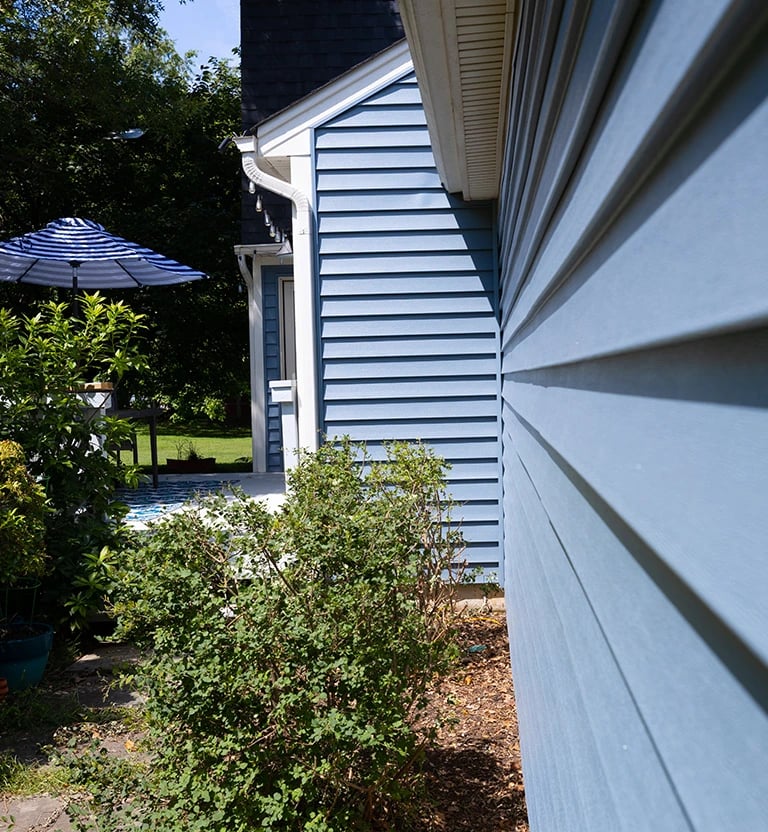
(462, 53)
(287, 133)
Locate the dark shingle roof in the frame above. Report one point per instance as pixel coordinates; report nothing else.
(290, 48)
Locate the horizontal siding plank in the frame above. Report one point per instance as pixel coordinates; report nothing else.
(470, 491)
(425, 430)
(373, 158)
(360, 243)
(393, 95)
(481, 538)
(407, 263)
(362, 389)
(456, 451)
(416, 409)
(408, 283)
(383, 137)
(376, 116)
(377, 180)
(478, 515)
(729, 369)
(479, 555)
(425, 221)
(398, 325)
(392, 200)
(447, 366)
(475, 469)
(416, 306)
(401, 347)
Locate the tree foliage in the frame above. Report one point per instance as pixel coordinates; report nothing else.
(22, 518)
(45, 360)
(74, 74)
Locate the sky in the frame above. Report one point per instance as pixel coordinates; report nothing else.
(211, 27)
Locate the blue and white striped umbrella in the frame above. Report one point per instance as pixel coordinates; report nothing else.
(81, 254)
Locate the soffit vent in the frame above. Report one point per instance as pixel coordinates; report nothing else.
(480, 42)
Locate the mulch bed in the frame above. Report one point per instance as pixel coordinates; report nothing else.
(474, 775)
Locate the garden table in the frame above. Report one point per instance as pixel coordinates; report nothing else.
(150, 414)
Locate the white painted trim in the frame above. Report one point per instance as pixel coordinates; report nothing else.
(286, 305)
(302, 177)
(435, 62)
(261, 256)
(283, 393)
(287, 133)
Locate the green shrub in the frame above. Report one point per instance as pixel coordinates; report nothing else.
(22, 517)
(290, 653)
(44, 360)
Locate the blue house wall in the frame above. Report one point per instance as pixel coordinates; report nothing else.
(634, 308)
(407, 300)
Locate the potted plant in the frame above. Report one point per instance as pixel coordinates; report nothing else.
(24, 643)
(189, 461)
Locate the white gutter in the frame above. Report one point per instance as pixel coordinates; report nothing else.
(303, 259)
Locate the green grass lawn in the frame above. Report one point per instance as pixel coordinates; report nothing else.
(226, 444)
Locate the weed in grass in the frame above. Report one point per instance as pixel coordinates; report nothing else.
(129, 718)
(18, 779)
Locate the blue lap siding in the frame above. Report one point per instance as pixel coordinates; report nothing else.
(634, 302)
(407, 303)
(272, 367)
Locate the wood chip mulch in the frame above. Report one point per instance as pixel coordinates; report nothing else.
(474, 775)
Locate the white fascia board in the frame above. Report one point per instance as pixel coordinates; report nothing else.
(289, 132)
(266, 252)
(430, 29)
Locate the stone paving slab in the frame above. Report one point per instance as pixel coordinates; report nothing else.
(43, 813)
(34, 814)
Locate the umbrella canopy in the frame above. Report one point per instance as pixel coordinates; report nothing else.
(81, 254)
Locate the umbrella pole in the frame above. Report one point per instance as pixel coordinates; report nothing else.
(75, 301)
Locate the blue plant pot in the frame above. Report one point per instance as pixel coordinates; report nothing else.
(23, 658)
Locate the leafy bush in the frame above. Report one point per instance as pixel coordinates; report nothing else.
(289, 653)
(45, 359)
(22, 517)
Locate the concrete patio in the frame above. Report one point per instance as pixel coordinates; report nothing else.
(148, 504)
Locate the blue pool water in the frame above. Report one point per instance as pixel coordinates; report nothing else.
(147, 504)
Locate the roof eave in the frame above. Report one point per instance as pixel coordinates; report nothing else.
(286, 133)
(462, 55)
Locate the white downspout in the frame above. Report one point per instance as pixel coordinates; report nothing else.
(306, 372)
